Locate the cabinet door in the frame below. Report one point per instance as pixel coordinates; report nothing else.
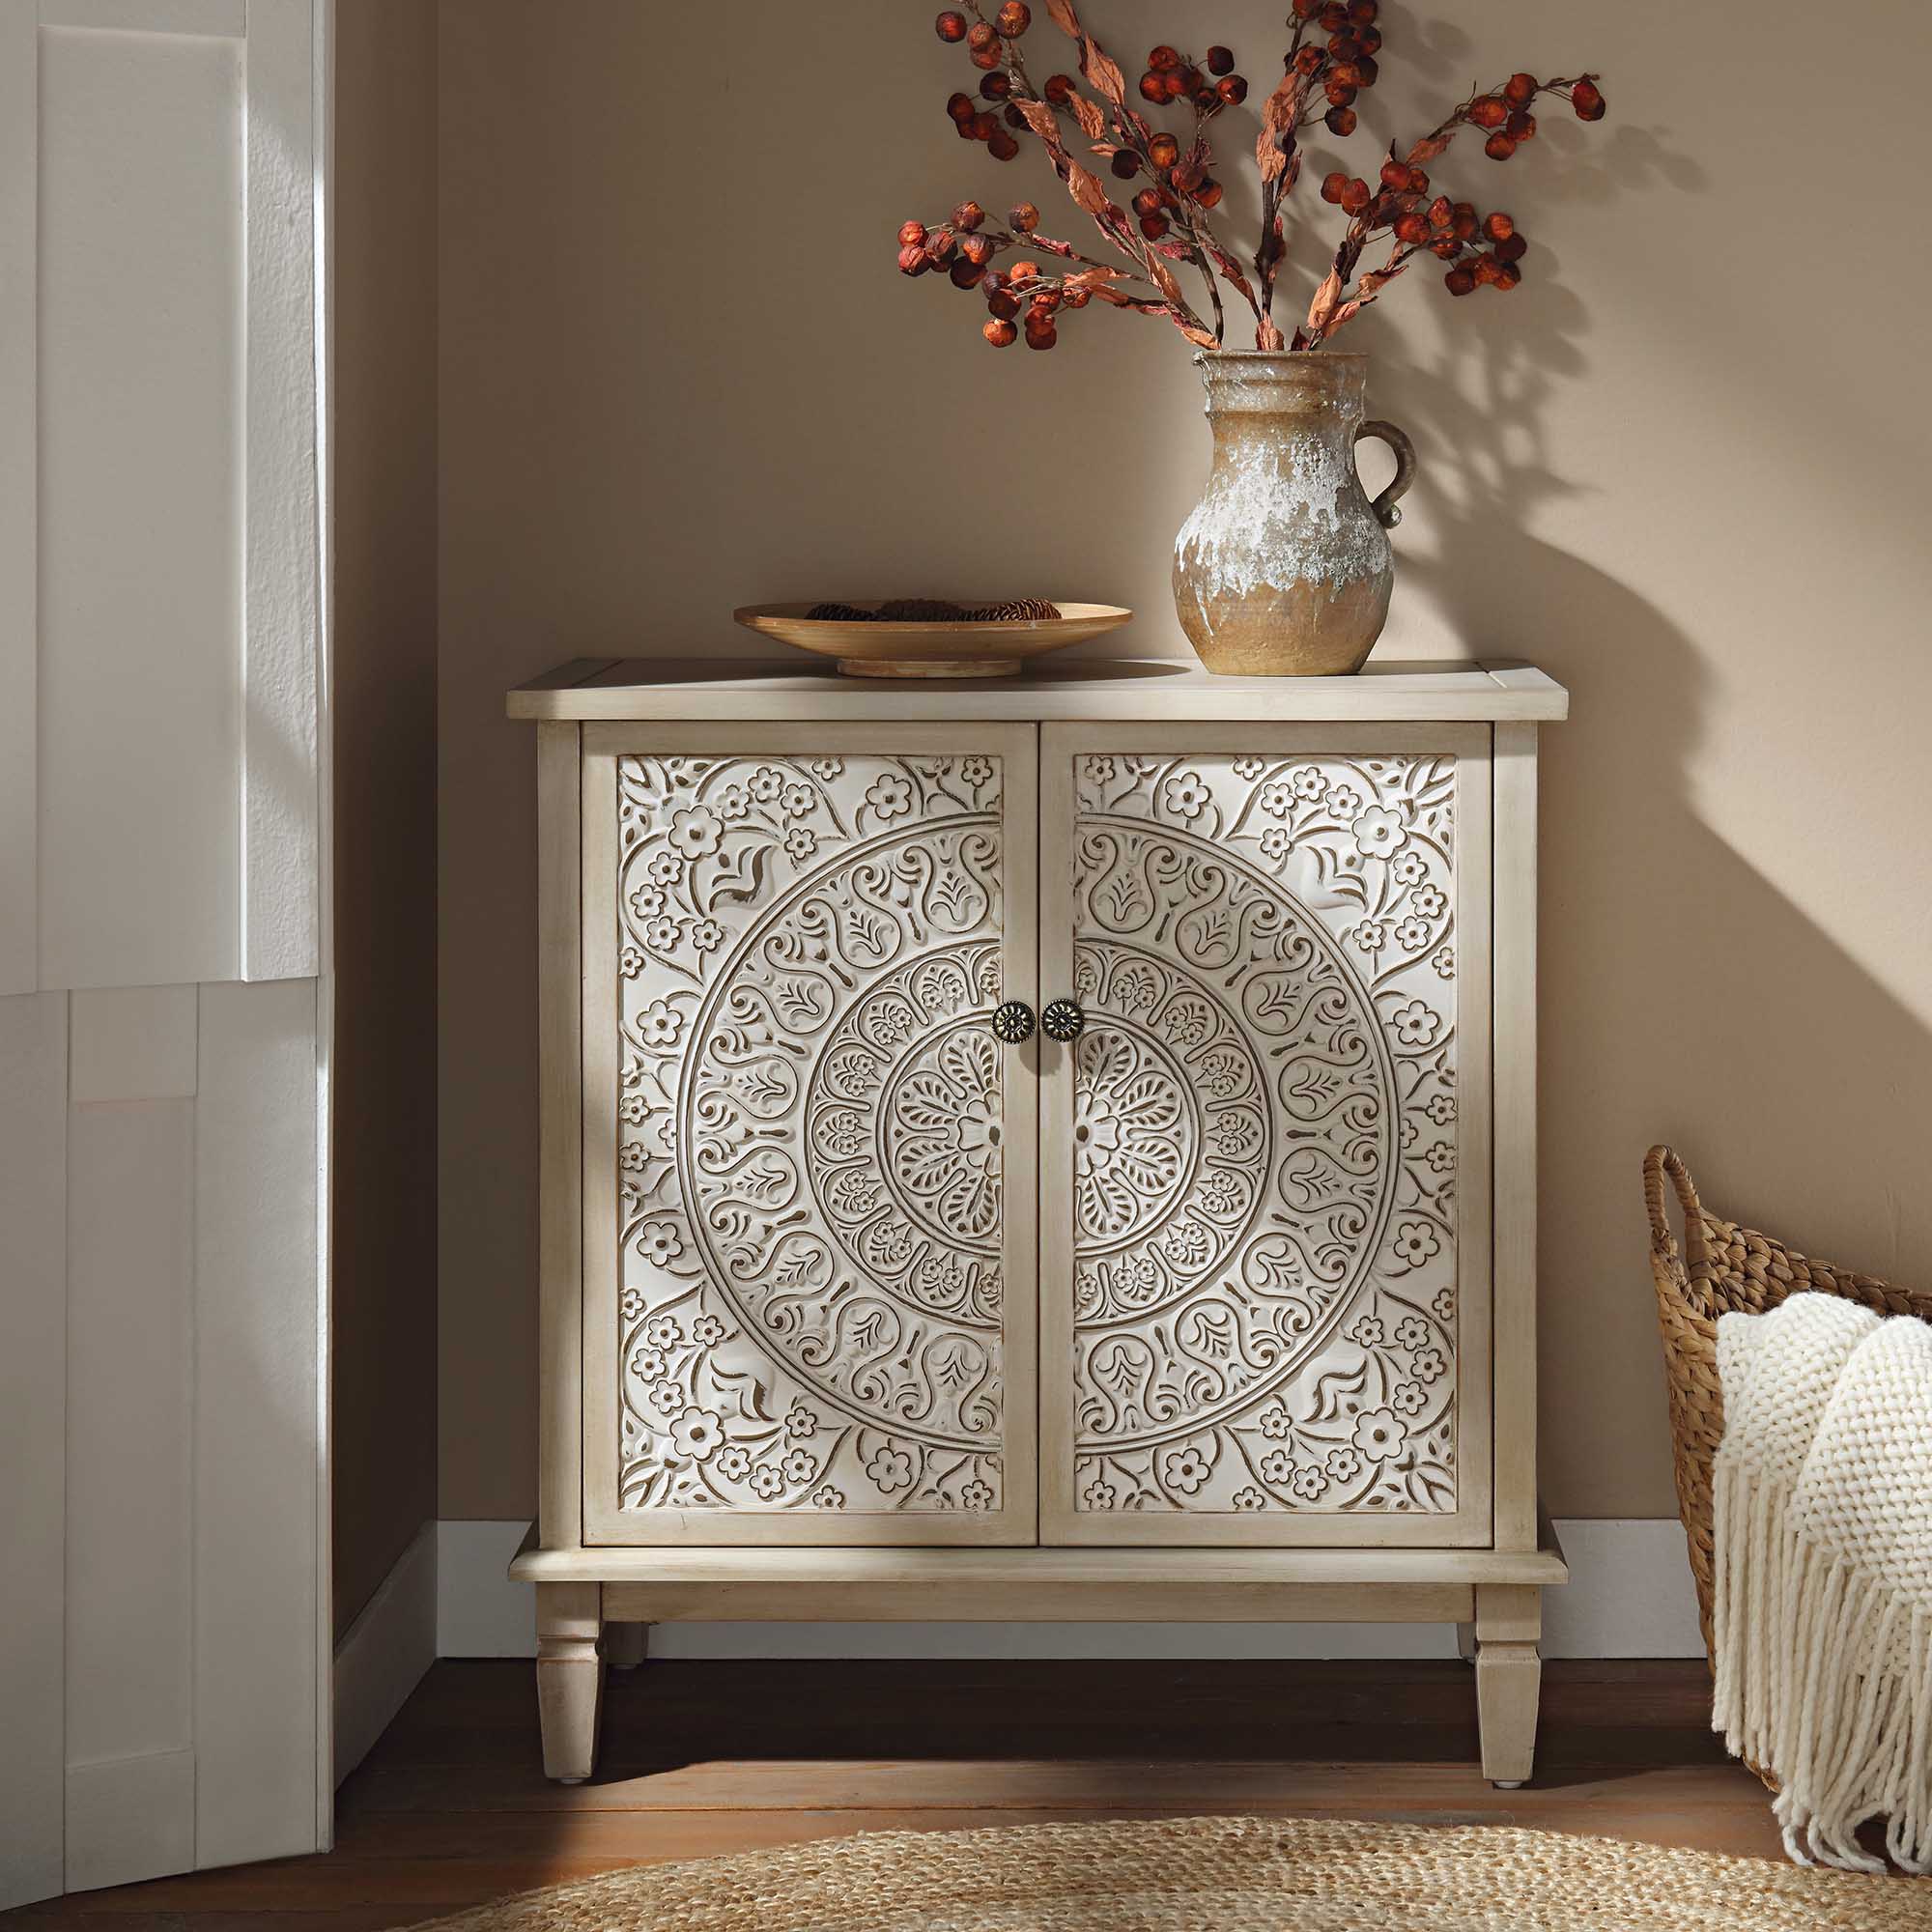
(810, 1229)
(1266, 1160)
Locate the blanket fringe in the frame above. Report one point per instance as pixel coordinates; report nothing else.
(1824, 1676)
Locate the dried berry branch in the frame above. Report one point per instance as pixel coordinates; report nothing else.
(1169, 221)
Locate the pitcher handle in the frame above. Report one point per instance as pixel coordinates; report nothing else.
(1386, 511)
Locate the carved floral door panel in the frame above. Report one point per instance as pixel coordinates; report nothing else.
(1264, 1297)
(810, 1233)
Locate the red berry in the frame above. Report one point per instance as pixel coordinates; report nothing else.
(939, 245)
(1395, 174)
(1126, 165)
(1306, 10)
(912, 260)
(977, 249)
(1208, 193)
(1339, 119)
(1459, 281)
(912, 234)
(1233, 87)
(1507, 275)
(996, 86)
(1013, 117)
(1002, 306)
(1220, 60)
(1345, 74)
(1013, 18)
(1163, 57)
(1147, 201)
(1371, 39)
(985, 127)
(1153, 87)
(1173, 84)
(980, 35)
(1153, 226)
(1412, 229)
(1588, 101)
(1022, 272)
(986, 58)
(960, 107)
(1000, 333)
(1498, 227)
(1512, 248)
(1441, 211)
(1489, 111)
(1499, 147)
(1520, 126)
(1023, 217)
(1043, 304)
(1363, 11)
(1344, 46)
(1059, 89)
(1337, 95)
(1308, 60)
(1355, 197)
(1418, 181)
(1040, 333)
(965, 274)
(1519, 90)
(951, 26)
(1333, 185)
(1077, 297)
(1447, 249)
(1163, 150)
(1368, 71)
(1002, 147)
(1333, 19)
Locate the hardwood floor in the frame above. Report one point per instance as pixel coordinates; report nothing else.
(703, 1758)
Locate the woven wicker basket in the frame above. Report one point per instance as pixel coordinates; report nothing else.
(1723, 1267)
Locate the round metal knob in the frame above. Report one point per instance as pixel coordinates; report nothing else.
(1014, 1022)
(1062, 1020)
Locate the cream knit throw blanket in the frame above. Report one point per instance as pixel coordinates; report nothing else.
(1823, 1578)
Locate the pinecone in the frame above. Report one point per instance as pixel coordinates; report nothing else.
(1022, 610)
(838, 614)
(920, 610)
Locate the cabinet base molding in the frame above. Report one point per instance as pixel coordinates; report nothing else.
(594, 1607)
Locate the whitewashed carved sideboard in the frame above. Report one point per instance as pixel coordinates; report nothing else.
(1056, 1147)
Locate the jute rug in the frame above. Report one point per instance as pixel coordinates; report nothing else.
(1219, 1875)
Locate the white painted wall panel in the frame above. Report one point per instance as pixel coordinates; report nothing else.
(280, 896)
(130, 1429)
(33, 1388)
(19, 942)
(134, 1043)
(141, 305)
(257, 1474)
(130, 1818)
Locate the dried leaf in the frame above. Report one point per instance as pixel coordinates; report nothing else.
(1174, 251)
(1064, 16)
(1229, 269)
(1102, 70)
(1092, 123)
(1267, 337)
(1039, 118)
(1428, 148)
(1279, 114)
(1086, 188)
(1048, 243)
(1327, 298)
(1107, 293)
(1163, 280)
(1200, 338)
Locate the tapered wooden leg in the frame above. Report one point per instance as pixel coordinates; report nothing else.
(1508, 1677)
(625, 1645)
(570, 1677)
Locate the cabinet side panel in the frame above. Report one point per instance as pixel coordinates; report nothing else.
(559, 1043)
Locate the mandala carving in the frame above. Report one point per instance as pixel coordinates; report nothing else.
(811, 1133)
(1263, 1169)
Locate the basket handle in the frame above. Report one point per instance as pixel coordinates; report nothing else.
(1658, 1162)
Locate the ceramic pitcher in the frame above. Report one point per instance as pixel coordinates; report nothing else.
(1284, 568)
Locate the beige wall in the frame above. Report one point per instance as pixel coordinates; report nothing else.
(1681, 467)
(384, 708)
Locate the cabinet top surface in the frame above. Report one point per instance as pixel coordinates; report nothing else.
(1132, 690)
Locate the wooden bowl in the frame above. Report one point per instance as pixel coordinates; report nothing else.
(889, 649)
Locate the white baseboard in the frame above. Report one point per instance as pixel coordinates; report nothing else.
(1630, 1594)
(383, 1652)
